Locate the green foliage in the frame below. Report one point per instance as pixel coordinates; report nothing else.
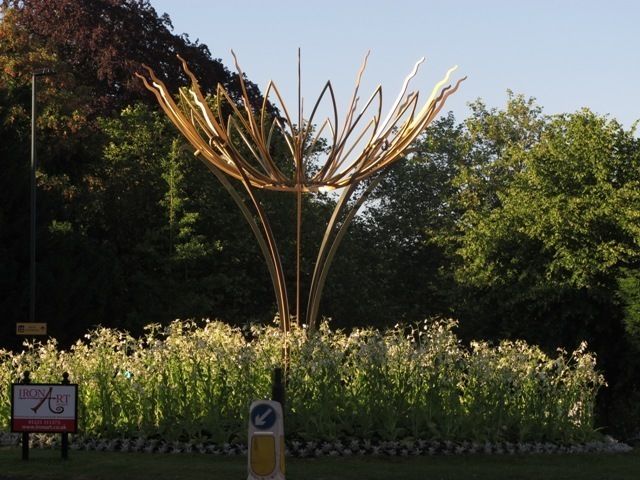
(547, 218)
(629, 284)
(568, 207)
(184, 381)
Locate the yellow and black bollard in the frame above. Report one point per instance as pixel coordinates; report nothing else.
(266, 441)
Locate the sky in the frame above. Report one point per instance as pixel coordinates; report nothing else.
(568, 54)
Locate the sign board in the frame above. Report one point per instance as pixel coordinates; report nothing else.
(263, 416)
(266, 441)
(30, 328)
(44, 408)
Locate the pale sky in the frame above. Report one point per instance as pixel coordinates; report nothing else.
(568, 54)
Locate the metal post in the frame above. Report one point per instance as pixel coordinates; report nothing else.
(65, 435)
(34, 166)
(32, 259)
(25, 435)
(277, 389)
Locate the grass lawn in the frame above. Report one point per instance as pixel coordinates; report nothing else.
(46, 464)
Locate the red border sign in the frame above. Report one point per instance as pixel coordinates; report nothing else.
(44, 408)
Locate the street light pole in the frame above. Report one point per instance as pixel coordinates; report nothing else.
(32, 260)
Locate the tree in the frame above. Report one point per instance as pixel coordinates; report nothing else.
(106, 167)
(99, 44)
(494, 139)
(563, 221)
(548, 258)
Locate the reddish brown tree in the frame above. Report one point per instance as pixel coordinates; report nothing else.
(99, 44)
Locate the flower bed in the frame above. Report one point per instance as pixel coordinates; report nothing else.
(186, 383)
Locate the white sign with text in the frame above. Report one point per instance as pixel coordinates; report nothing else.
(44, 408)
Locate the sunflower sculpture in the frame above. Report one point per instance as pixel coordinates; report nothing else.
(235, 138)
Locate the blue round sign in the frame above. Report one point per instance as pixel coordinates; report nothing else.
(263, 416)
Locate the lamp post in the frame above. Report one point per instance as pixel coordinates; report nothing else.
(32, 262)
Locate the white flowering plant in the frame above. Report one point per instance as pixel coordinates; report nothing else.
(195, 381)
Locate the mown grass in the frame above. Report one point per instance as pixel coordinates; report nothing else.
(47, 465)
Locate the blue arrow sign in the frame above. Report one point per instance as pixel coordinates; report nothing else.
(263, 416)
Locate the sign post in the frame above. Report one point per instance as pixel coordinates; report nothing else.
(266, 441)
(65, 435)
(44, 408)
(25, 435)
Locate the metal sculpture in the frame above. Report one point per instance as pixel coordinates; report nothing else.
(234, 139)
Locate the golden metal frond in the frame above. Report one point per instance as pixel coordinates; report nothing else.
(235, 139)
(239, 143)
